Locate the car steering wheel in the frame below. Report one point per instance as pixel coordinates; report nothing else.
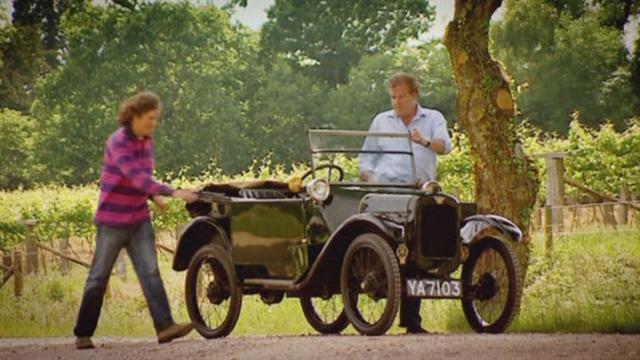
(324, 166)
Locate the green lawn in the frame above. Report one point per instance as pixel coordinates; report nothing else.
(592, 284)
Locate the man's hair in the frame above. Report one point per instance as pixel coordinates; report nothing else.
(400, 78)
(137, 105)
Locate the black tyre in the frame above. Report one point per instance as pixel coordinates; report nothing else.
(491, 286)
(213, 296)
(370, 284)
(327, 316)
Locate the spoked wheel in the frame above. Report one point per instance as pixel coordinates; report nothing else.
(370, 284)
(213, 297)
(491, 286)
(327, 316)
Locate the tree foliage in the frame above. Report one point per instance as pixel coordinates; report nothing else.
(563, 59)
(21, 63)
(326, 38)
(231, 98)
(200, 66)
(17, 149)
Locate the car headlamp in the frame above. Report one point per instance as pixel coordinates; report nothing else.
(318, 189)
(431, 187)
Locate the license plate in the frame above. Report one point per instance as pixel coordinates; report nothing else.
(434, 288)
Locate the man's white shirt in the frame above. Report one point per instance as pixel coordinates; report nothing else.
(397, 167)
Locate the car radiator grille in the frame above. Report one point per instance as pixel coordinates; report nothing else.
(438, 231)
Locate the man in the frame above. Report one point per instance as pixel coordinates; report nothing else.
(123, 220)
(430, 138)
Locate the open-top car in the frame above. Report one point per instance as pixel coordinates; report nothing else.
(348, 249)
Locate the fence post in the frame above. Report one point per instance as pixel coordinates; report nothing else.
(555, 188)
(6, 259)
(607, 214)
(17, 273)
(548, 231)
(63, 247)
(31, 249)
(623, 209)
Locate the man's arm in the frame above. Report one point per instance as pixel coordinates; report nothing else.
(436, 145)
(441, 142)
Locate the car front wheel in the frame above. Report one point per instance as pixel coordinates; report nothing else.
(491, 286)
(370, 284)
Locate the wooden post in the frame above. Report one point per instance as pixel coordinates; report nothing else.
(555, 188)
(6, 259)
(63, 247)
(548, 231)
(17, 273)
(44, 261)
(608, 216)
(623, 209)
(31, 249)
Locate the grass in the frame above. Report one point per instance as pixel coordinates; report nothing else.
(592, 284)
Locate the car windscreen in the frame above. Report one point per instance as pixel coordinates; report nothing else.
(379, 158)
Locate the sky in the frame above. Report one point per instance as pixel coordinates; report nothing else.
(255, 14)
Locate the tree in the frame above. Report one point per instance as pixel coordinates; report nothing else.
(564, 59)
(354, 104)
(617, 13)
(324, 39)
(200, 66)
(21, 63)
(285, 105)
(635, 71)
(45, 15)
(506, 181)
(17, 162)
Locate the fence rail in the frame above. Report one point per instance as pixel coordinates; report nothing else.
(12, 261)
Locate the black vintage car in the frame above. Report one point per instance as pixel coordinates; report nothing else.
(348, 249)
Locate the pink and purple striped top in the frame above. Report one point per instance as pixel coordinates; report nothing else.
(126, 181)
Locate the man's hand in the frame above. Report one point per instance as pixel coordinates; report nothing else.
(187, 195)
(417, 137)
(435, 145)
(367, 176)
(160, 203)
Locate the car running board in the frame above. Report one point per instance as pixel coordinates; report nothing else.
(273, 284)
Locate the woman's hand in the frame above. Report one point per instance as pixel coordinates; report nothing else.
(160, 203)
(187, 195)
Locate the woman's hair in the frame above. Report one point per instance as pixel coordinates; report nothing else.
(137, 105)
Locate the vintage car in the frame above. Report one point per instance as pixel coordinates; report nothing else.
(349, 250)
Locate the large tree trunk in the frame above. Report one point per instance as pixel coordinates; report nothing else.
(505, 179)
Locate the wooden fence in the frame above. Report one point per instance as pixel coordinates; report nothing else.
(12, 261)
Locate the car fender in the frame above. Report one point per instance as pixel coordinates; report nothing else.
(200, 231)
(476, 224)
(329, 261)
(365, 222)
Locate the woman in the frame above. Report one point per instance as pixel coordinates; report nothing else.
(123, 219)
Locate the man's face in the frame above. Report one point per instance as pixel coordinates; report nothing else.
(144, 124)
(402, 100)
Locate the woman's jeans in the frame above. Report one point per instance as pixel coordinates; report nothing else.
(139, 241)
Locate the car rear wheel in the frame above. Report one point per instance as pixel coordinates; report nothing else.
(491, 286)
(327, 316)
(370, 284)
(213, 296)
